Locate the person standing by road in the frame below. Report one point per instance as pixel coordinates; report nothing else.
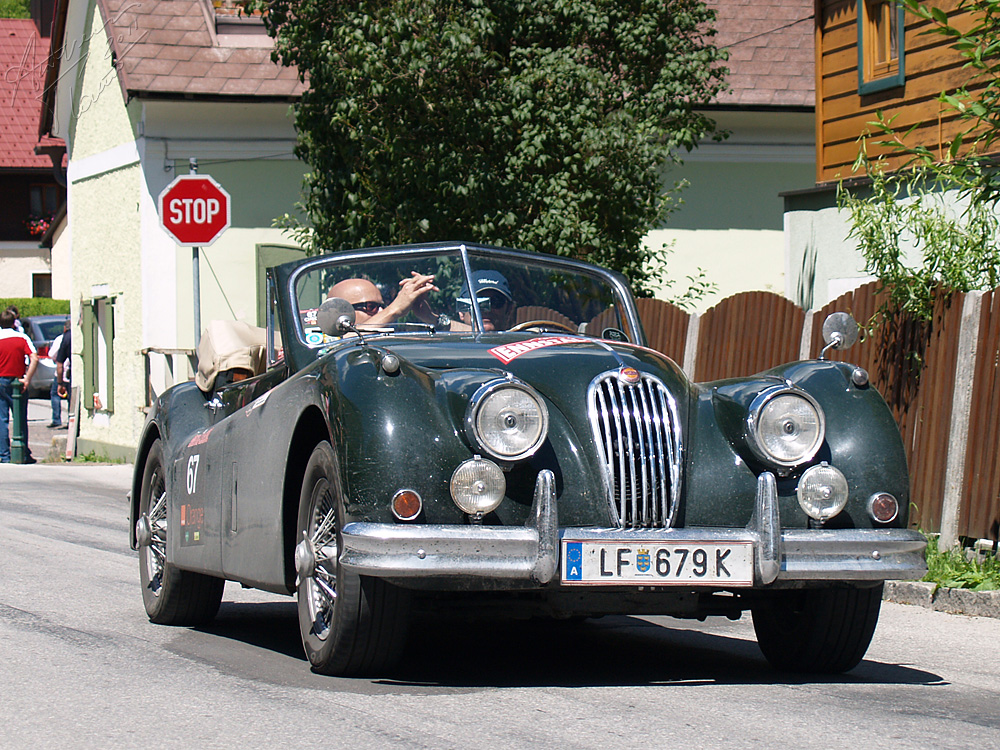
(60, 351)
(15, 350)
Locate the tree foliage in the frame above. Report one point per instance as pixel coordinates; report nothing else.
(540, 124)
(14, 9)
(919, 239)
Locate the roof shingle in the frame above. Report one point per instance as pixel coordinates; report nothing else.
(770, 42)
(149, 35)
(771, 51)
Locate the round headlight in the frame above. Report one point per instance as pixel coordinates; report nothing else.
(786, 426)
(478, 486)
(507, 420)
(822, 491)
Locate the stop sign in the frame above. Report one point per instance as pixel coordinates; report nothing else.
(194, 209)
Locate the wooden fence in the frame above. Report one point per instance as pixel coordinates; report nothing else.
(942, 382)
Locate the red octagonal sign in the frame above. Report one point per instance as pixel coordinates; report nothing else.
(194, 209)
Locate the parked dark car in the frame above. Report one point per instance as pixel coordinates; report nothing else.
(42, 330)
(557, 468)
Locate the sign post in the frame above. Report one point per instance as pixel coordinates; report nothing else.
(195, 210)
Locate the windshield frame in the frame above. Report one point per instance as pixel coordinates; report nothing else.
(289, 274)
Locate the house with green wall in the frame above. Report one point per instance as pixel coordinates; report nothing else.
(140, 91)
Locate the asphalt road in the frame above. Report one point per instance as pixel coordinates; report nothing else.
(81, 666)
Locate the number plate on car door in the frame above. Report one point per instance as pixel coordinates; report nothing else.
(647, 563)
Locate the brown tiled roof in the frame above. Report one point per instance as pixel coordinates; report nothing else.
(771, 51)
(22, 59)
(165, 47)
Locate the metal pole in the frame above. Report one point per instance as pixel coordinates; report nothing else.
(196, 271)
(19, 437)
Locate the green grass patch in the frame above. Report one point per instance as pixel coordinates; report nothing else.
(96, 458)
(951, 568)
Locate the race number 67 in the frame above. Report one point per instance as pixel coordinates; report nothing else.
(192, 473)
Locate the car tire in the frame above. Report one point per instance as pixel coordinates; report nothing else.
(824, 631)
(350, 624)
(170, 595)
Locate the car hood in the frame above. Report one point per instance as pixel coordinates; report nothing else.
(561, 367)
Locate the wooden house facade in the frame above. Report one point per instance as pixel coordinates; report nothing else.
(873, 56)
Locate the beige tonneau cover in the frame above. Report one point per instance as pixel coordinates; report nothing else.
(229, 345)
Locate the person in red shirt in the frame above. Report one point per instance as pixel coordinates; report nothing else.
(16, 349)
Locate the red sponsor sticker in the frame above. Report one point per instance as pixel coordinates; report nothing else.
(508, 352)
(200, 438)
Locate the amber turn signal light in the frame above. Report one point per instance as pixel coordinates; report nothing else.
(406, 505)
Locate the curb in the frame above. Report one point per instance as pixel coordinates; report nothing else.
(952, 601)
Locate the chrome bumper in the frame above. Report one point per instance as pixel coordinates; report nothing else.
(531, 552)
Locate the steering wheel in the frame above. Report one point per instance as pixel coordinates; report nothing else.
(543, 324)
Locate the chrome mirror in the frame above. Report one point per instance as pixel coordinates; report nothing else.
(840, 331)
(336, 316)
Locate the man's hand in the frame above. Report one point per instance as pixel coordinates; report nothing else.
(32, 364)
(412, 295)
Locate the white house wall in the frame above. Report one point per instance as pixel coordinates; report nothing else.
(822, 263)
(729, 223)
(19, 261)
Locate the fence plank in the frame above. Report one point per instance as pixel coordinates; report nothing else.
(747, 333)
(979, 515)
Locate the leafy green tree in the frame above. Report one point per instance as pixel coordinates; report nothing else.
(540, 124)
(14, 9)
(920, 238)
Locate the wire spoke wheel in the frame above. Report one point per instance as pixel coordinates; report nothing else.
(349, 625)
(321, 587)
(170, 595)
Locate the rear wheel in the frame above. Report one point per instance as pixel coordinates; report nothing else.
(171, 596)
(817, 630)
(349, 624)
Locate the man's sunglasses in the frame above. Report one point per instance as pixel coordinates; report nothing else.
(368, 308)
(486, 302)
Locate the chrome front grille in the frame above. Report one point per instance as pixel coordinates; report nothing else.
(637, 432)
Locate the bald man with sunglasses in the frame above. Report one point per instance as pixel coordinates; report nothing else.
(370, 308)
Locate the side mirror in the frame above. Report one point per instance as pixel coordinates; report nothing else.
(336, 316)
(840, 331)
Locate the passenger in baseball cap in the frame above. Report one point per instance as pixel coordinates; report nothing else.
(496, 303)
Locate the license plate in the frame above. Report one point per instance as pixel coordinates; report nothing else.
(657, 564)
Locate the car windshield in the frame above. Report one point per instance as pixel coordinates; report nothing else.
(509, 292)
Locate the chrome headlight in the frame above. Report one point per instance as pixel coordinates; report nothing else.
(785, 426)
(507, 419)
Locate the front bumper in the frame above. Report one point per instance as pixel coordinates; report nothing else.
(531, 552)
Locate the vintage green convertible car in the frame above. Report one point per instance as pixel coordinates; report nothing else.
(457, 425)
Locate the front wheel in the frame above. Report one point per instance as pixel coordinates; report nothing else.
(823, 631)
(349, 624)
(171, 596)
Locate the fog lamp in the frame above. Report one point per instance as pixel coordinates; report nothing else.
(822, 491)
(478, 486)
(883, 507)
